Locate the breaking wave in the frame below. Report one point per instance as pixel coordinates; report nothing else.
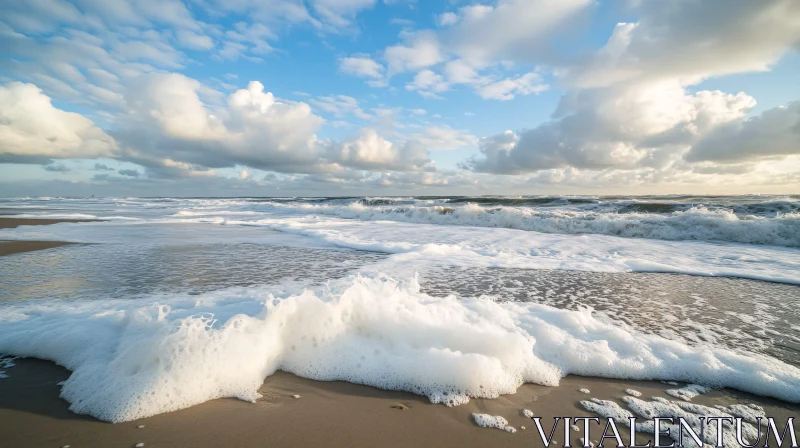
(693, 223)
(140, 357)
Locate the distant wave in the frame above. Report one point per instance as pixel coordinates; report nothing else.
(692, 223)
(768, 220)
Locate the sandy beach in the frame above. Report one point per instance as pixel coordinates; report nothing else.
(327, 414)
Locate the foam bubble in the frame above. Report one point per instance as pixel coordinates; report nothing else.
(139, 357)
(632, 392)
(660, 407)
(688, 392)
(492, 421)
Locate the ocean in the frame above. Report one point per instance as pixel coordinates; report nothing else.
(171, 302)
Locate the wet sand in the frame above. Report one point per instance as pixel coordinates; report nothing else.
(12, 223)
(15, 247)
(328, 414)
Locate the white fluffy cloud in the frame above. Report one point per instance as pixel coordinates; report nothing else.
(631, 113)
(428, 83)
(32, 128)
(693, 40)
(510, 29)
(629, 127)
(442, 138)
(632, 107)
(168, 119)
(774, 133)
(507, 88)
(471, 45)
(421, 49)
(372, 152)
(175, 126)
(364, 67)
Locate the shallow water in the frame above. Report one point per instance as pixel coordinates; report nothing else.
(742, 314)
(98, 271)
(204, 272)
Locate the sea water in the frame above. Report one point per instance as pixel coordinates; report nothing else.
(172, 302)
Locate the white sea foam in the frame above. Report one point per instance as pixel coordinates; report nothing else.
(418, 244)
(688, 392)
(749, 412)
(660, 407)
(492, 421)
(139, 357)
(771, 220)
(440, 240)
(696, 223)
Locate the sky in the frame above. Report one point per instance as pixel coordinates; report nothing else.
(398, 97)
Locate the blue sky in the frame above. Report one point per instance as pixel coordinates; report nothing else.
(244, 97)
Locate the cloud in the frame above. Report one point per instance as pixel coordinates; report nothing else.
(447, 19)
(340, 106)
(631, 112)
(171, 103)
(512, 29)
(363, 67)
(102, 167)
(194, 41)
(428, 83)
(691, 41)
(168, 120)
(438, 138)
(628, 127)
(773, 133)
(420, 50)
(324, 15)
(57, 168)
(507, 88)
(632, 109)
(340, 13)
(31, 127)
(372, 152)
(475, 46)
(129, 173)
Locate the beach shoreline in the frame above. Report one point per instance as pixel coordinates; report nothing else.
(16, 247)
(329, 414)
(10, 247)
(10, 222)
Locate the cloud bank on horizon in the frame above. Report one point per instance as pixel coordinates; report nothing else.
(292, 97)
